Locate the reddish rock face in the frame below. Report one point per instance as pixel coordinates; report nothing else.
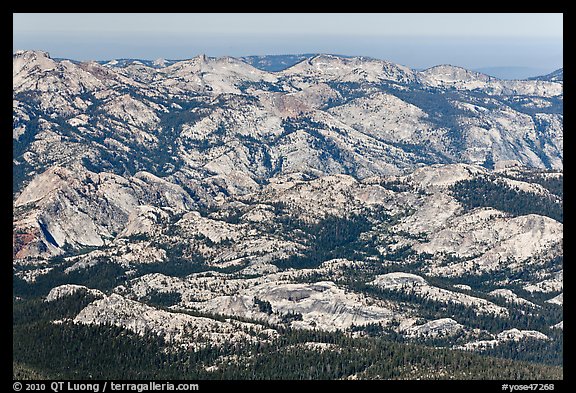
(21, 241)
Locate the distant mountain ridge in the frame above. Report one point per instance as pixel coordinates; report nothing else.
(513, 72)
(276, 63)
(555, 76)
(403, 117)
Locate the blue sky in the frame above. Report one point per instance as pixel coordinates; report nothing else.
(475, 41)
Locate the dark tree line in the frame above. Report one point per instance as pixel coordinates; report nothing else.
(105, 352)
(487, 192)
(333, 237)
(75, 351)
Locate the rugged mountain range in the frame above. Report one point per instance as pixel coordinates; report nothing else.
(336, 194)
